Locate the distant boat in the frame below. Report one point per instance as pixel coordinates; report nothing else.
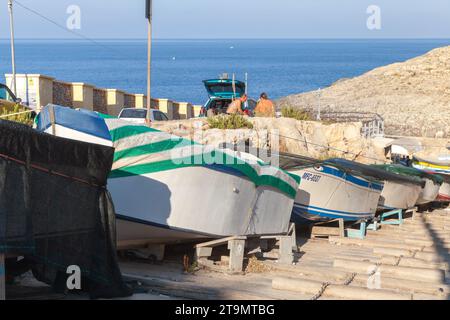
(431, 182)
(332, 189)
(440, 167)
(165, 191)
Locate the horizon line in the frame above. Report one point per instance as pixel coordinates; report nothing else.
(215, 39)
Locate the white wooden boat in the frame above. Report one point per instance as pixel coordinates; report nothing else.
(168, 189)
(332, 189)
(431, 183)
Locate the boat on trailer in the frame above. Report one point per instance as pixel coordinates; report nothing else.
(440, 167)
(431, 182)
(331, 189)
(168, 189)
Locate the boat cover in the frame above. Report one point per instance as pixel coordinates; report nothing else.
(374, 171)
(289, 161)
(411, 172)
(55, 210)
(141, 150)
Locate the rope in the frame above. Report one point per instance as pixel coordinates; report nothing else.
(375, 270)
(14, 114)
(324, 287)
(350, 279)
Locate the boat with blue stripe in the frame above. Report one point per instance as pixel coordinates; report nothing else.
(333, 189)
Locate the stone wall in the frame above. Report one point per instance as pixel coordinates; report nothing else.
(308, 138)
(62, 94)
(130, 101)
(38, 90)
(100, 100)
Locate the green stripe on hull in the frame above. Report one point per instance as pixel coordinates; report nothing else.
(150, 148)
(128, 131)
(246, 169)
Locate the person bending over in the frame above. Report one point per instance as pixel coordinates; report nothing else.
(235, 107)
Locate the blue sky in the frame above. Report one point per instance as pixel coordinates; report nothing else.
(235, 19)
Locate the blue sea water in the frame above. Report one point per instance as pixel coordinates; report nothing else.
(278, 67)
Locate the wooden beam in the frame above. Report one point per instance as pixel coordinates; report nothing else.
(219, 242)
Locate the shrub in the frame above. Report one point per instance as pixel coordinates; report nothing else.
(24, 118)
(290, 112)
(234, 121)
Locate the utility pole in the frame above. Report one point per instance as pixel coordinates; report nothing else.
(13, 54)
(148, 15)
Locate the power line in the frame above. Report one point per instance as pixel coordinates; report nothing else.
(80, 35)
(331, 148)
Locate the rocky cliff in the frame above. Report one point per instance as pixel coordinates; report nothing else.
(412, 96)
(309, 138)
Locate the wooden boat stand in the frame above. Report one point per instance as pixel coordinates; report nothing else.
(325, 230)
(237, 246)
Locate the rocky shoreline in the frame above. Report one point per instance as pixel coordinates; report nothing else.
(413, 97)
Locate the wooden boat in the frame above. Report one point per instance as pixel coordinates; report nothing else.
(168, 189)
(440, 167)
(431, 182)
(332, 189)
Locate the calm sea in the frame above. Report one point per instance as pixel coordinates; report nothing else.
(279, 67)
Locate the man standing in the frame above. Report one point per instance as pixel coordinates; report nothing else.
(265, 107)
(235, 107)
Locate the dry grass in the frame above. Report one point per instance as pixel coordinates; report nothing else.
(256, 266)
(297, 114)
(233, 121)
(24, 118)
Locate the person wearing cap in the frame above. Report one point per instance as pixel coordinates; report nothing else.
(235, 107)
(265, 107)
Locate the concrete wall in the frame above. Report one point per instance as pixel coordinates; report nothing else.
(38, 90)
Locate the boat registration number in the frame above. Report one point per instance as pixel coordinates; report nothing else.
(311, 177)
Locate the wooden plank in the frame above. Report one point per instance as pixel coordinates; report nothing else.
(325, 231)
(2, 277)
(218, 242)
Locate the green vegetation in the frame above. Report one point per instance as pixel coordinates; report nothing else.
(24, 118)
(290, 112)
(233, 121)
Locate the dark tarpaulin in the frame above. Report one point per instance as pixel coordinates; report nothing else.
(55, 209)
(290, 161)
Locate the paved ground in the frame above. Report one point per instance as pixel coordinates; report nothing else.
(397, 262)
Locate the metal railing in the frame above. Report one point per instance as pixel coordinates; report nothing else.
(372, 123)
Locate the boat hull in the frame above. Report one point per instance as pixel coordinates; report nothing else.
(439, 168)
(196, 202)
(429, 192)
(326, 193)
(444, 190)
(398, 195)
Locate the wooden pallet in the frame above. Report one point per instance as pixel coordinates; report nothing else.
(237, 245)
